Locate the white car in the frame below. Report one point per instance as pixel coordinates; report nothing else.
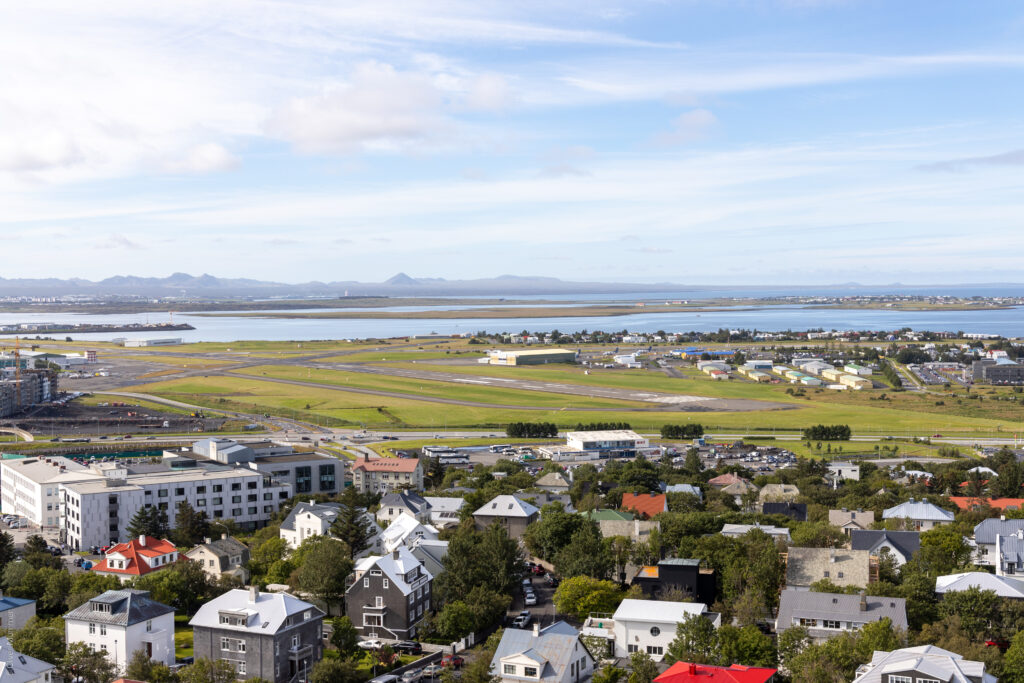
(371, 644)
(530, 600)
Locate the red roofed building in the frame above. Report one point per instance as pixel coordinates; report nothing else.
(723, 480)
(968, 502)
(382, 475)
(137, 557)
(645, 504)
(686, 672)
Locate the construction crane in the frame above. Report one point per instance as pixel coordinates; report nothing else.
(17, 369)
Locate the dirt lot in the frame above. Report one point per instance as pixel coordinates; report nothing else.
(75, 418)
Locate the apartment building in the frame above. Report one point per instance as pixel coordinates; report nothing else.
(382, 475)
(390, 595)
(30, 487)
(97, 512)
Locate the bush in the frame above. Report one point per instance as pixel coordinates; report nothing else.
(687, 431)
(827, 433)
(531, 430)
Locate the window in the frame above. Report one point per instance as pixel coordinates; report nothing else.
(225, 644)
(808, 622)
(366, 582)
(655, 650)
(387, 584)
(200, 489)
(200, 502)
(303, 479)
(840, 575)
(162, 493)
(179, 491)
(251, 485)
(295, 642)
(655, 631)
(241, 646)
(162, 506)
(826, 573)
(92, 629)
(237, 486)
(236, 512)
(103, 629)
(236, 499)
(630, 647)
(826, 623)
(103, 647)
(327, 480)
(530, 671)
(509, 669)
(218, 501)
(253, 498)
(252, 509)
(241, 668)
(149, 625)
(217, 488)
(268, 496)
(900, 679)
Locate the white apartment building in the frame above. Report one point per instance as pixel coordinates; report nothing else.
(645, 625)
(97, 512)
(30, 487)
(121, 622)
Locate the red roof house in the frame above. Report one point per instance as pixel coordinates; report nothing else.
(645, 504)
(687, 672)
(968, 502)
(723, 480)
(137, 557)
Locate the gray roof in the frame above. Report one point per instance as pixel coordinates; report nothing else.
(542, 498)
(406, 499)
(327, 511)
(1004, 586)
(918, 510)
(266, 614)
(225, 547)
(838, 607)
(127, 607)
(906, 542)
(988, 529)
(507, 506)
(553, 648)
(685, 488)
(927, 660)
(19, 668)
(1011, 549)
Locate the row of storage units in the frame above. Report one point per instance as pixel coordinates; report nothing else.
(754, 374)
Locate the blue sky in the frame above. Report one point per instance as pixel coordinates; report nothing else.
(716, 142)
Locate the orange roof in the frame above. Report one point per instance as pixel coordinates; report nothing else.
(649, 504)
(685, 672)
(964, 484)
(968, 502)
(147, 546)
(386, 464)
(725, 479)
(649, 572)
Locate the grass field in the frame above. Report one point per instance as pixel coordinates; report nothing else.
(182, 637)
(379, 412)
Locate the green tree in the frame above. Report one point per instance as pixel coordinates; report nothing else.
(486, 558)
(1013, 661)
(976, 608)
(35, 544)
(87, 585)
(324, 569)
(643, 668)
(142, 668)
(148, 521)
(455, 620)
(90, 666)
(264, 555)
(344, 636)
(7, 550)
(553, 531)
(944, 550)
(335, 671)
(818, 535)
(608, 673)
(206, 671)
(41, 639)
(695, 641)
(58, 586)
(581, 596)
(746, 645)
(792, 642)
(692, 465)
(352, 524)
(190, 527)
(585, 554)
(183, 585)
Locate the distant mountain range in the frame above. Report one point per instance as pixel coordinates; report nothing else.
(208, 286)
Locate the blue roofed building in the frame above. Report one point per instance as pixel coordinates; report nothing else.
(15, 612)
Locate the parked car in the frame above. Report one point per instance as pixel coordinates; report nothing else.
(530, 600)
(454, 661)
(371, 644)
(527, 584)
(385, 678)
(408, 646)
(412, 676)
(537, 570)
(432, 671)
(552, 580)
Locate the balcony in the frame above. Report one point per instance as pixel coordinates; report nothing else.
(376, 609)
(300, 652)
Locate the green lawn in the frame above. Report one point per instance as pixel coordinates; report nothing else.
(182, 637)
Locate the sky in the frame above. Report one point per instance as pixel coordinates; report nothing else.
(718, 142)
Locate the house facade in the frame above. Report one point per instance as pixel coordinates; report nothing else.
(395, 504)
(121, 622)
(644, 626)
(390, 596)
(315, 519)
(848, 520)
(511, 512)
(274, 636)
(677, 575)
(225, 556)
(381, 475)
(826, 615)
(551, 655)
(919, 515)
(985, 533)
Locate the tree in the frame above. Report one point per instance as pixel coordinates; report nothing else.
(35, 544)
(335, 671)
(692, 465)
(1013, 661)
(7, 550)
(352, 524)
(944, 550)
(142, 668)
(585, 553)
(88, 665)
(323, 572)
(190, 527)
(608, 674)
(486, 558)
(818, 535)
(207, 671)
(183, 585)
(455, 620)
(87, 585)
(265, 554)
(580, 596)
(148, 521)
(553, 531)
(746, 645)
(643, 668)
(344, 636)
(975, 607)
(695, 641)
(41, 639)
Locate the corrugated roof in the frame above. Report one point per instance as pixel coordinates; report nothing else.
(507, 506)
(650, 504)
(553, 648)
(906, 542)
(657, 610)
(920, 510)
(127, 607)
(264, 615)
(987, 530)
(687, 672)
(1005, 587)
(932, 661)
(839, 607)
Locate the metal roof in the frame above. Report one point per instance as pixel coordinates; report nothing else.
(933, 662)
(507, 506)
(264, 612)
(553, 648)
(127, 607)
(918, 510)
(839, 607)
(657, 610)
(1004, 586)
(906, 542)
(987, 530)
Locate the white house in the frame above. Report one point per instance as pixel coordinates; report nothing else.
(1004, 586)
(121, 622)
(19, 668)
(444, 511)
(645, 625)
(551, 655)
(985, 534)
(922, 663)
(315, 519)
(840, 471)
(404, 530)
(394, 504)
(921, 514)
(740, 530)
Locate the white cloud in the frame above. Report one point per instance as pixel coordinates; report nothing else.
(689, 126)
(490, 92)
(205, 158)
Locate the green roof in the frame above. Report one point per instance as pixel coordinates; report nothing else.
(609, 515)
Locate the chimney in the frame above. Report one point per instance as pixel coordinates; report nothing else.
(536, 629)
(395, 553)
(223, 536)
(863, 601)
(254, 594)
(142, 540)
(832, 555)
(691, 669)
(1002, 518)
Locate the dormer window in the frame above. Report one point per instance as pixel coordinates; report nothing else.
(101, 607)
(530, 671)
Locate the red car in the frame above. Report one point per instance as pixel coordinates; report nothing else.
(537, 570)
(454, 661)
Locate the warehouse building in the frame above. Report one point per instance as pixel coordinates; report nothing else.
(608, 442)
(530, 357)
(164, 341)
(858, 370)
(855, 382)
(998, 371)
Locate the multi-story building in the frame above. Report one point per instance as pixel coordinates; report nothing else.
(225, 556)
(511, 512)
(315, 519)
(137, 557)
(445, 512)
(405, 530)
(121, 622)
(272, 636)
(30, 487)
(826, 615)
(390, 596)
(644, 626)
(34, 387)
(381, 475)
(15, 612)
(394, 505)
(555, 654)
(681, 576)
(985, 534)
(97, 512)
